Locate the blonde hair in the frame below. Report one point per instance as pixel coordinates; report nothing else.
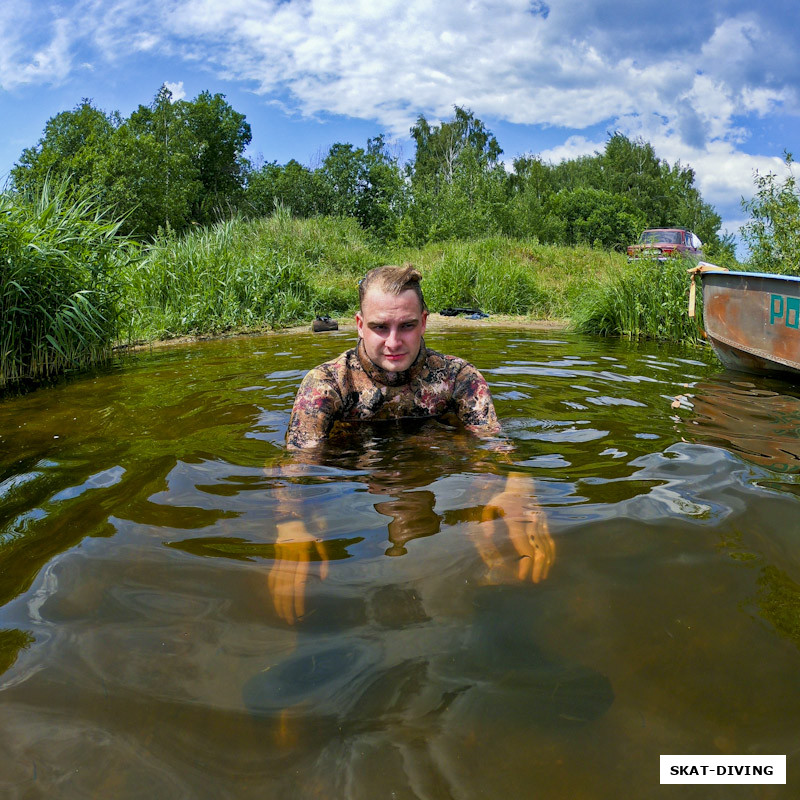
(393, 280)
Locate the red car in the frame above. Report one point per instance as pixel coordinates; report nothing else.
(664, 243)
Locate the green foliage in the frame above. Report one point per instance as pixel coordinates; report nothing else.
(174, 164)
(365, 184)
(152, 176)
(220, 136)
(59, 282)
(631, 169)
(779, 602)
(646, 299)
(608, 199)
(458, 188)
(466, 208)
(773, 232)
(75, 143)
(12, 641)
(170, 164)
(592, 217)
(295, 187)
(245, 274)
(722, 252)
(440, 148)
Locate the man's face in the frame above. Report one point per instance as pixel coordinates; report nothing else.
(391, 327)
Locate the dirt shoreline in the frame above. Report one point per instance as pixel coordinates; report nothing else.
(435, 322)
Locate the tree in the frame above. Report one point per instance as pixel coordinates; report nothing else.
(583, 172)
(592, 217)
(221, 136)
(75, 144)
(528, 188)
(153, 176)
(292, 185)
(631, 168)
(365, 184)
(167, 165)
(458, 185)
(440, 147)
(773, 231)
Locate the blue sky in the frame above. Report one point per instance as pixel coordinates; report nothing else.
(715, 85)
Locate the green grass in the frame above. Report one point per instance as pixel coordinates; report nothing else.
(246, 274)
(58, 290)
(646, 298)
(71, 288)
(510, 276)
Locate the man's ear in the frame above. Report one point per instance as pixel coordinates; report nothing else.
(424, 320)
(359, 323)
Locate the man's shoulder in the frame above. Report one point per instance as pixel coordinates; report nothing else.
(441, 361)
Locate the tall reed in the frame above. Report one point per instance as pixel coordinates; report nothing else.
(58, 287)
(647, 299)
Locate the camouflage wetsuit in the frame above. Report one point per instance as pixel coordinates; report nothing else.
(352, 388)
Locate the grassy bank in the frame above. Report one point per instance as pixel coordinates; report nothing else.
(511, 276)
(71, 288)
(278, 270)
(268, 272)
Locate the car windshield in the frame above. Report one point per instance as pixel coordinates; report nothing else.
(667, 237)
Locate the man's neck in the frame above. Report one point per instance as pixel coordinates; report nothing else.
(384, 376)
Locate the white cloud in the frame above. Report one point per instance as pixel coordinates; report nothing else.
(573, 147)
(176, 89)
(42, 58)
(694, 96)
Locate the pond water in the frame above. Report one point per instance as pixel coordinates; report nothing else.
(142, 655)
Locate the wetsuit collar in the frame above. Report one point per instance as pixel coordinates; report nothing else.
(380, 375)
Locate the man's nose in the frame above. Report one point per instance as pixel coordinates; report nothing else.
(393, 339)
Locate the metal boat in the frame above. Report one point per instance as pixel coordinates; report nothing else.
(751, 319)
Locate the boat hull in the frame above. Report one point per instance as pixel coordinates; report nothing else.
(752, 320)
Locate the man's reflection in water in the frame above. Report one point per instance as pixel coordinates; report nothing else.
(412, 517)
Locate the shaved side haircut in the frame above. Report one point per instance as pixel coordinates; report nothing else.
(392, 280)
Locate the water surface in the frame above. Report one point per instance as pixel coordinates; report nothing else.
(142, 655)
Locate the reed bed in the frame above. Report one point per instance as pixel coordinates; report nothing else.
(647, 299)
(59, 260)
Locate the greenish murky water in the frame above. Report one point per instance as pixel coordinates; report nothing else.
(141, 654)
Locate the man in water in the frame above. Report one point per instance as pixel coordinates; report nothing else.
(392, 375)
